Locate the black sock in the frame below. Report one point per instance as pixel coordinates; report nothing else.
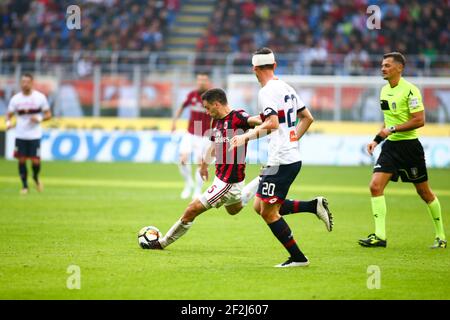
(295, 206)
(23, 174)
(281, 230)
(36, 168)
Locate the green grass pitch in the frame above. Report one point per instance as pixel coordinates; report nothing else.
(89, 215)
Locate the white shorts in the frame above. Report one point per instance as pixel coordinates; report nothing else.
(193, 145)
(221, 193)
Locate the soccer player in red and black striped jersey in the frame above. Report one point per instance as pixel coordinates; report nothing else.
(227, 186)
(194, 141)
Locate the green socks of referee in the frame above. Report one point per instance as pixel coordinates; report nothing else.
(379, 214)
(434, 208)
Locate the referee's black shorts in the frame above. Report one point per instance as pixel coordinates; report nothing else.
(404, 158)
(28, 148)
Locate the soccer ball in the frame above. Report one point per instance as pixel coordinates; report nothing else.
(147, 234)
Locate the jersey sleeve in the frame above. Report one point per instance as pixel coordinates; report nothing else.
(414, 100)
(300, 104)
(242, 120)
(267, 104)
(187, 101)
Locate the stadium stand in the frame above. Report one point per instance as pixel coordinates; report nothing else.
(316, 36)
(323, 30)
(38, 28)
(138, 57)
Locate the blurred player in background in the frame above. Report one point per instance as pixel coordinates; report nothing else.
(194, 142)
(280, 106)
(230, 166)
(30, 108)
(402, 154)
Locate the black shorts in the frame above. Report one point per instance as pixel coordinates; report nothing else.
(28, 148)
(275, 182)
(404, 158)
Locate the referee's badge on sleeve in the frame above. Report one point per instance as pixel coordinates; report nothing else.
(413, 103)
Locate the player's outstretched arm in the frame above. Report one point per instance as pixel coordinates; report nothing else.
(303, 125)
(254, 121)
(207, 158)
(270, 124)
(47, 115)
(417, 120)
(175, 118)
(39, 118)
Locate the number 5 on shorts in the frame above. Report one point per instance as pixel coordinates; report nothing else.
(211, 190)
(268, 189)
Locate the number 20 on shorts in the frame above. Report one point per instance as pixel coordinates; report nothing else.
(268, 189)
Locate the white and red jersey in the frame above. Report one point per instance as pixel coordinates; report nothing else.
(24, 107)
(279, 98)
(199, 120)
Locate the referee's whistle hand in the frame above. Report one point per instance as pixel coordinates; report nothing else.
(371, 147)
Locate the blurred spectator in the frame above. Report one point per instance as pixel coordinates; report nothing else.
(320, 32)
(36, 27)
(324, 29)
(357, 61)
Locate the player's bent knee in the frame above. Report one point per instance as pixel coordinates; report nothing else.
(257, 207)
(232, 210)
(267, 214)
(375, 188)
(269, 217)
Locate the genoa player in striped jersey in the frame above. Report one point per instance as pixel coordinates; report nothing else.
(226, 188)
(280, 106)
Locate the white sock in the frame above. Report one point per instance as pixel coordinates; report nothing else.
(185, 170)
(174, 233)
(198, 182)
(249, 191)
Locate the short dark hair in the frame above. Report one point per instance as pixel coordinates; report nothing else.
(265, 50)
(397, 56)
(28, 75)
(215, 94)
